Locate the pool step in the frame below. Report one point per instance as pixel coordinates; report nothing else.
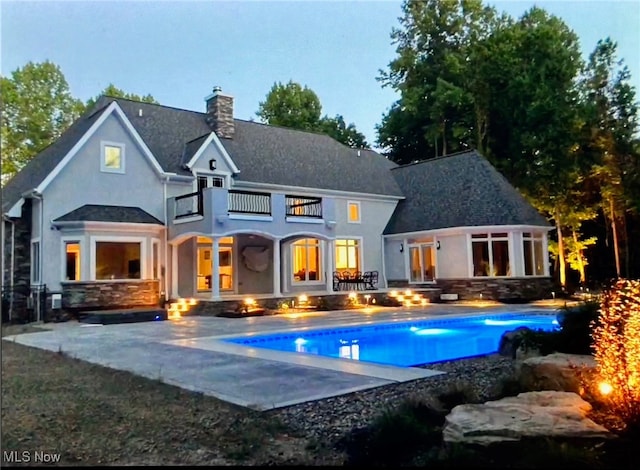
(180, 307)
(408, 298)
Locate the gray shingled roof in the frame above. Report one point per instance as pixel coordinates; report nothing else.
(270, 154)
(460, 190)
(192, 147)
(165, 130)
(44, 162)
(262, 153)
(100, 213)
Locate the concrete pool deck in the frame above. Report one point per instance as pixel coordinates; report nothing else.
(190, 353)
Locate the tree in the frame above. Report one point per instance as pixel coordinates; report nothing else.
(291, 105)
(436, 112)
(296, 107)
(36, 108)
(113, 91)
(339, 130)
(612, 121)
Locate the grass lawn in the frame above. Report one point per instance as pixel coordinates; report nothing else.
(92, 415)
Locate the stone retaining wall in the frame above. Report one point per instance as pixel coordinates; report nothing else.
(320, 302)
(524, 289)
(100, 295)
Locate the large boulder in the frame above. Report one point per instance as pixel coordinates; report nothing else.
(558, 371)
(511, 340)
(531, 414)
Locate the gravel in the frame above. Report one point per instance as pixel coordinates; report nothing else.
(332, 418)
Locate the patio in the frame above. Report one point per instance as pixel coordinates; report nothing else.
(188, 353)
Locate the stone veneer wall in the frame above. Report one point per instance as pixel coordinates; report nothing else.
(101, 295)
(321, 302)
(531, 288)
(524, 288)
(22, 265)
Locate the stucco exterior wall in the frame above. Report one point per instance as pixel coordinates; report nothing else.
(248, 281)
(81, 182)
(452, 258)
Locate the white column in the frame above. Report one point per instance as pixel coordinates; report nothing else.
(330, 263)
(276, 268)
(215, 269)
(174, 271)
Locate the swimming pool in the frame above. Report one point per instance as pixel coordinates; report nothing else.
(408, 343)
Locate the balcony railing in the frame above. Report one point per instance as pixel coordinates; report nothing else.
(188, 205)
(299, 206)
(249, 202)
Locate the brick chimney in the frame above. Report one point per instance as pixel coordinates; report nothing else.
(220, 113)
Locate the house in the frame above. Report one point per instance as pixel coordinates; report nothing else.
(140, 202)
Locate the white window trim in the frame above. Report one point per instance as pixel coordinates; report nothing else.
(144, 264)
(321, 251)
(156, 242)
(360, 250)
(33, 272)
(63, 256)
(545, 264)
(349, 212)
(489, 238)
(103, 167)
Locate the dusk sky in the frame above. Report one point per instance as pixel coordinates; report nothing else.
(177, 51)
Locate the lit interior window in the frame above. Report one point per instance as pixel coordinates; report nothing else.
(306, 260)
(347, 255)
(354, 212)
(72, 270)
(118, 260)
(112, 157)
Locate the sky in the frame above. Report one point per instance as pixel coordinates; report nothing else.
(178, 51)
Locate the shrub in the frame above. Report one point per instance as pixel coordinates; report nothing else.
(398, 434)
(573, 336)
(616, 336)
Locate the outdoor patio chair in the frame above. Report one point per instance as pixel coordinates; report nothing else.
(370, 279)
(337, 281)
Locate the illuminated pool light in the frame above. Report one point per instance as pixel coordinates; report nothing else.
(300, 341)
(433, 331)
(491, 322)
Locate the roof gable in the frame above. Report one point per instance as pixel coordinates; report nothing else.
(459, 190)
(45, 162)
(211, 139)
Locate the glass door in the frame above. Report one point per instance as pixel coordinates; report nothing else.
(422, 263)
(225, 260)
(225, 257)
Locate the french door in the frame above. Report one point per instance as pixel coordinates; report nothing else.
(422, 262)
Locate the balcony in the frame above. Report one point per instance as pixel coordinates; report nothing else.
(223, 210)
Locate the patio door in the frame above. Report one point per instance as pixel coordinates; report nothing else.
(204, 268)
(422, 263)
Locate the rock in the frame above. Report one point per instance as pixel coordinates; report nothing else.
(558, 371)
(531, 414)
(511, 340)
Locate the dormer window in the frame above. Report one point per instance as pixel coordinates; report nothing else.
(112, 157)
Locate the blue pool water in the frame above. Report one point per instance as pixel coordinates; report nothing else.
(408, 343)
